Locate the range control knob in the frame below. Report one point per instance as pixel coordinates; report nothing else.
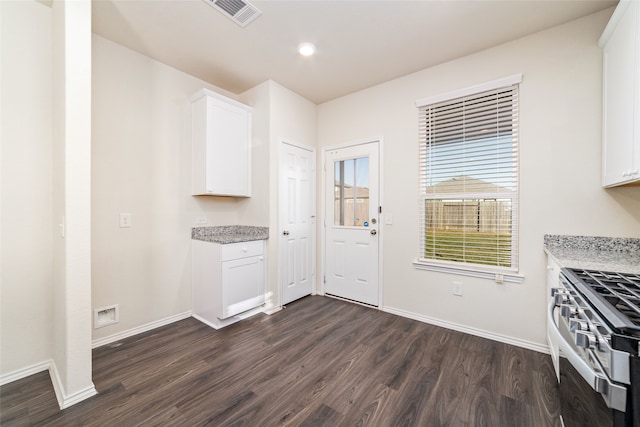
(560, 298)
(567, 310)
(578, 325)
(586, 339)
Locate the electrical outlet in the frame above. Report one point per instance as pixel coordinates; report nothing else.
(201, 219)
(457, 288)
(125, 220)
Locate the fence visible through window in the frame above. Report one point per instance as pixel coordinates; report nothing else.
(471, 231)
(351, 192)
(468, 175)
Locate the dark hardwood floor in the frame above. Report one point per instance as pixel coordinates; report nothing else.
(319, 362)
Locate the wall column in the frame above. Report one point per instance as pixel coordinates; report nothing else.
(71, 366)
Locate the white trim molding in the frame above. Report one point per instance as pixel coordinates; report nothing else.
(25, 372)
(494, 84)
(497, 276)
(139, 329)
(540, 348)
(272, 310)
(64, 400)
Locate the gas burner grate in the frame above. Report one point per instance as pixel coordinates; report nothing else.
(620, 291)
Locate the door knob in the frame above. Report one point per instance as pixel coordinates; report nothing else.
(374, 232)
(285, 233)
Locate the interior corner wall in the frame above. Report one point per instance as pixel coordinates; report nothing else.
(26, 196)
(278, 113)
(560, 158)
(141, 164)
(252, 209)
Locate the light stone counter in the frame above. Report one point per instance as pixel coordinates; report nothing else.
(620, 255)
(229, 233)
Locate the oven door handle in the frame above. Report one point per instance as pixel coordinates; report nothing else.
(614, 395)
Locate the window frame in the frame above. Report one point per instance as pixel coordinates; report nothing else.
(499, 274)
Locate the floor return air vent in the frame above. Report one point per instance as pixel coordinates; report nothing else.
(239, 11)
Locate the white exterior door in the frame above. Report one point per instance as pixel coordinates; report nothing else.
(297, 221)
(352, 222)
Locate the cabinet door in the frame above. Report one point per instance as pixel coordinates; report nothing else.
(221, 146)
(242, 285)
(620, 93)
(227, 149)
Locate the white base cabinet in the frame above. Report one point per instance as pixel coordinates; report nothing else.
(228, 281)
(621, 96)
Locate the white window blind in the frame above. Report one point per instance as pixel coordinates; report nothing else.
(469, 179)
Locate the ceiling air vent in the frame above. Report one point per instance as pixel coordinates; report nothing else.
(241, 12)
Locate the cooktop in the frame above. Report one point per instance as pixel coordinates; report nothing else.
(615, 295)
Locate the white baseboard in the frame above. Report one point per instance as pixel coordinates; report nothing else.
(468, 330)
(216, 323)
(64, 400)
(139, 329)
(272, 310)
(58, 388)
(25, 372)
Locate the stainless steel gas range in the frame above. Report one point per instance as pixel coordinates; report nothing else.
(594, 323)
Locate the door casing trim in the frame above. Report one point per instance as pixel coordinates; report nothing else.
(322, 224)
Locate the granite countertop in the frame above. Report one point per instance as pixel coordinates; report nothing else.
(229, 233)
(620, 255)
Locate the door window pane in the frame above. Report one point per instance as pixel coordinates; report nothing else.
(351, 192)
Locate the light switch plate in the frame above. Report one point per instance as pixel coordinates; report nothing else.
(125, 220)
(457, 288)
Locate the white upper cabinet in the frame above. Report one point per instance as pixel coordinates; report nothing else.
(221, 146)
(621, 96)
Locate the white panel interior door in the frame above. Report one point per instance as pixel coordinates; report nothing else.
(297, 222)
(352, 222)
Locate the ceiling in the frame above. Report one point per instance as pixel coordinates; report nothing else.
(359, 43)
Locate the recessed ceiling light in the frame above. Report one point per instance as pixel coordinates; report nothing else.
(306, 49)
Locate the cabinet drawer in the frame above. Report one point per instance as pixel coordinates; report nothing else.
(242, 250)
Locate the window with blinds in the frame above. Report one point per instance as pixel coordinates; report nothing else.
(469, 177)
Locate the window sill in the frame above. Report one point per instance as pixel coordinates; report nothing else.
(497, 276)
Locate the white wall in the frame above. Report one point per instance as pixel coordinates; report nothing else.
(253, 210)
(141, 165)
(279, 114)
(27, 258)
(560, 159)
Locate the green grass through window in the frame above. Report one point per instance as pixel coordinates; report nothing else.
(468, 246)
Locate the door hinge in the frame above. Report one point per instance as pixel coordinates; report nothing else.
(379, 209)
(324, 280)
